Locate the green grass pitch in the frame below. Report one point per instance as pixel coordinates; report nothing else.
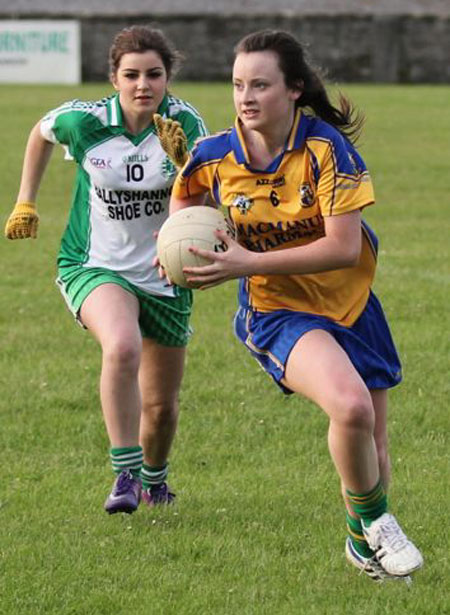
(258, 527)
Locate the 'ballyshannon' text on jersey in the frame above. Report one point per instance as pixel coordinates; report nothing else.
(130, 204)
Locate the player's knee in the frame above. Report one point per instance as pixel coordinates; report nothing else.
(355, 410)
(160, 412)
(122, 354)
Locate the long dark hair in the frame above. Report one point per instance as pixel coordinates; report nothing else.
(138, 39)
(299, 74)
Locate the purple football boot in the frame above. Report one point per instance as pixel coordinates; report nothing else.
(157, 495)
(125, 495)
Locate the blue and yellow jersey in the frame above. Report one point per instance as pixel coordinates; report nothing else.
(318, 174)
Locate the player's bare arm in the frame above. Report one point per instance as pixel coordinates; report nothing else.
(339, 248)
(24, 220)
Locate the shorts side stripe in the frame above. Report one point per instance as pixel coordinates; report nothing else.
(259, 351)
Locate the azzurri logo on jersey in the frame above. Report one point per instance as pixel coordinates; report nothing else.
(276, 182)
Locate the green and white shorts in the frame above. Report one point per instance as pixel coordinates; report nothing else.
(164, 319)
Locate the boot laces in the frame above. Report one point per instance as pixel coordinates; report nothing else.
(390, 536)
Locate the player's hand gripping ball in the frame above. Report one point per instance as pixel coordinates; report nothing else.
(192, 226)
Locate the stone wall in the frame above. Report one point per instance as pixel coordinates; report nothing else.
(393, 41)
(405, 49)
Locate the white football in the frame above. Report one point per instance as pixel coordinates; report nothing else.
(191, 226)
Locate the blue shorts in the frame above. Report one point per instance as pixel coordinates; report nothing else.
(271, 336)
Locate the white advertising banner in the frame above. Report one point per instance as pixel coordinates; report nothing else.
(37, 51)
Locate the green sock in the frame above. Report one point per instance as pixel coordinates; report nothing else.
(153, 475)
(127, 458)
(355, 533)
(369, 506)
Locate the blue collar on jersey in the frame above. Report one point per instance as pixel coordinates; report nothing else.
(115, 113)
(295, 141)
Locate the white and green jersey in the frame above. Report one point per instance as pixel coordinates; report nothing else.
(122, 188)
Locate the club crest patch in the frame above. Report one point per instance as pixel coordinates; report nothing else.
(242, 203)
(168, 169)
(307, 196)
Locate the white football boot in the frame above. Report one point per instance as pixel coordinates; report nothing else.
(396, 554)
(370, 566)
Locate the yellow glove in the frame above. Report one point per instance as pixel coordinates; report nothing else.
(23, 222)
(172, 139)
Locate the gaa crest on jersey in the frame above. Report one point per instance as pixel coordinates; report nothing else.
(242, 202)
(100, 163)
(307, 196)
(168, 169)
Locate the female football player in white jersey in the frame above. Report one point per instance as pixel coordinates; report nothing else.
(294, 186)
(105, 264)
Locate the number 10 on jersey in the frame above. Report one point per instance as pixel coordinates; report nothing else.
(135, 172)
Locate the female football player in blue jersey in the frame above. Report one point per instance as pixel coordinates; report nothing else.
(294, 187)
(105, 263)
